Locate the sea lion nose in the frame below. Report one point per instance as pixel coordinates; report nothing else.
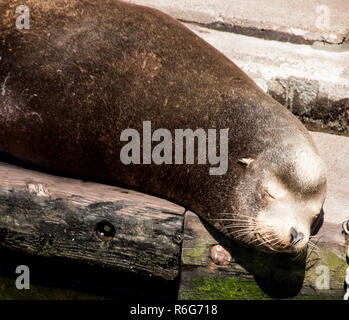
(295, 236)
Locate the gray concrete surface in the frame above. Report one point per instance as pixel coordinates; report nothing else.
(335, 151)
(292, 20)
(312, 83)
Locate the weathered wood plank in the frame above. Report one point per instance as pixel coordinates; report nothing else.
(254, 275)
(48, 215)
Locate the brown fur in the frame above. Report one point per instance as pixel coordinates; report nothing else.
(86, 70)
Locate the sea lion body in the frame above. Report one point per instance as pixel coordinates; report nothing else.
(86, 71)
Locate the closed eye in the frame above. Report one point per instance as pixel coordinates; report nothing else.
(269, 194)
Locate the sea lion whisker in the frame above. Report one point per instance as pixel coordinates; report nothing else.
(241, 219)
(240, 215)
(300, 255)
(313, 246)
(232, 213)
(269, 241)
(239, 225)
(236, 237)
(247, 231)
(277, 244)
(244, 221)
(313, 249)
(226, 219)
(271, 236)
(219, 219)
(270, 247)
(254, 240)
(263, 241)
(240, 234)
(245, 228)
(311, 242)
(235, 214)
(237, 217)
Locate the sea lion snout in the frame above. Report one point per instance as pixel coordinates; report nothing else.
(282, 231)
(295, 236)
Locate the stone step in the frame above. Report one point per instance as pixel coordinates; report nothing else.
(312, 83)
(288, 20)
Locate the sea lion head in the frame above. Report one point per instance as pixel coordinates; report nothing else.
(279, 199)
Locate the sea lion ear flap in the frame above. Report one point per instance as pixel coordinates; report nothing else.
(246, 161)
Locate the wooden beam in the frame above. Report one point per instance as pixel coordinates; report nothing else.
(99, 224)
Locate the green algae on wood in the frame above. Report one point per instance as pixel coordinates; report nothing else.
(229, 288)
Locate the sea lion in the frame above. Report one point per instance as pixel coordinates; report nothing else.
(85, 71)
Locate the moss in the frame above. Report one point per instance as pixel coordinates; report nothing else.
(142, 258)
(230, 288)
(46, 249)
(157, 260)
(196, 253)
(239, 289)
(337, 265)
